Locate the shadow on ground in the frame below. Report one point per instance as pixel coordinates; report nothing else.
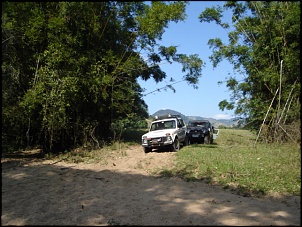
(46, 194)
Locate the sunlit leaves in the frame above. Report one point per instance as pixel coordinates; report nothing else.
(264, 35)
(192, 66)
(168, 52)
(225, 105)
(213, 14)
(157, 16)
(232, 83)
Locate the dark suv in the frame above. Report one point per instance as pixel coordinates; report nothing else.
(200, 131)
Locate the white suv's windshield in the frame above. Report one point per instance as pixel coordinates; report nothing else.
(163, 125)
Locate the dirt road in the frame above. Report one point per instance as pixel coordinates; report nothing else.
(124, 191)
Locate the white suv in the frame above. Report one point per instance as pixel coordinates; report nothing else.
(168, 131)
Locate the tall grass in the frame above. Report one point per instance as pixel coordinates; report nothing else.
(235, 161)
(109, 149)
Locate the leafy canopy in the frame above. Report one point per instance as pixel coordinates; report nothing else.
(70, 69)
(264, 49)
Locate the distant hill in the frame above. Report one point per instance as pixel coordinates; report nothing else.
(215, 122)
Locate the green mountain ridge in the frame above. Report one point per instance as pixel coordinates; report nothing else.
(216, 122)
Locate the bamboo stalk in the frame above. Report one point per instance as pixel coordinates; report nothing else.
(280, 87)
(286, 102)
(290, 103)
(288, 135)
(266, 115)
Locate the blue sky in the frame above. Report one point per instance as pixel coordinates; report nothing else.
(191, 37)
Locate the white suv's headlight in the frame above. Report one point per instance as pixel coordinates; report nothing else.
(144, 140)
(169, 138)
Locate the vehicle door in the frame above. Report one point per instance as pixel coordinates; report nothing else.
(182, 129)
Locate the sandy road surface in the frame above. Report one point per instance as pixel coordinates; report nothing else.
(123, 191)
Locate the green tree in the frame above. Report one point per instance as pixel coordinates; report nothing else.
(70, 69)
(264, 47)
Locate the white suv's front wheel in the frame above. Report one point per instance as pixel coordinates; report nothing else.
(175, 145)
(147, 149)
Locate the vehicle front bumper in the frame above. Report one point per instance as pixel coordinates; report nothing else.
(196, 136)
(157, 142)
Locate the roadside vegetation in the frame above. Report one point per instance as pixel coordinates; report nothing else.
(236, 162)
(70, 70)
(107, 149)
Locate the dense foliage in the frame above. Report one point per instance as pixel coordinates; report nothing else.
(70, 69)
(264, 48)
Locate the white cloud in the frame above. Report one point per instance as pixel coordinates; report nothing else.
(222, 116)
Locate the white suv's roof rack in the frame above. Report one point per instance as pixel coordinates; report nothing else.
(168, 116)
